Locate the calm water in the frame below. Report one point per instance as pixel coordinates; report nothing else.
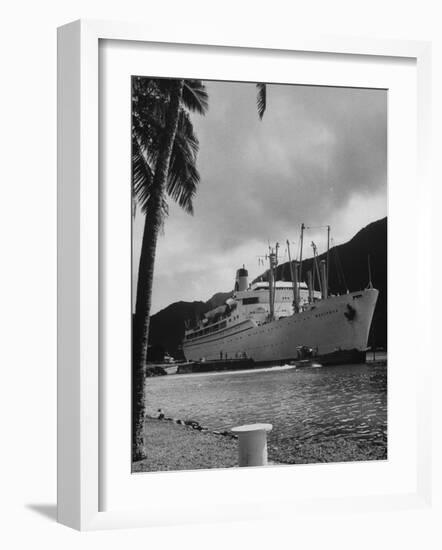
(316, 403)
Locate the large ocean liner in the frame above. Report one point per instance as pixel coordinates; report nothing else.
(279, 321)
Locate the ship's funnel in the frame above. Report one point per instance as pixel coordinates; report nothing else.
(242, 279)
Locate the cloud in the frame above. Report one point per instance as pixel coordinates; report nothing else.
(319, 156)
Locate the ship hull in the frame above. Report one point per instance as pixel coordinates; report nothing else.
(336, 330)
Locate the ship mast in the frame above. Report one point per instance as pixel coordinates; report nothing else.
(316, 268)
(274, 275)
(328, 254)
(294, 276)
(273, 262)
(300, 254)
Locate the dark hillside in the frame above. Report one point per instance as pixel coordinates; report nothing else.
(167, 326)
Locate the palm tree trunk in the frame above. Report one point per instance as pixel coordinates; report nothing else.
(152, 226)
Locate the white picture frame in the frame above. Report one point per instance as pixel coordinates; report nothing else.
(79, 391)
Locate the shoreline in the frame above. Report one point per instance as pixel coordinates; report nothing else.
(176, 445)
(173, 370)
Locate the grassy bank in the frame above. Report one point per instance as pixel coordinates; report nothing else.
(176, 447)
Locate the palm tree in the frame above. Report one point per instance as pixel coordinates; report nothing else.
(164, 149)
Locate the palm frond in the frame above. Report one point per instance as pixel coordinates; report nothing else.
(142, 181)
(261, 98)
(184, 177)
(148, 137)
(150, 99)
(183, 181)
(185, 133)
(195, 97)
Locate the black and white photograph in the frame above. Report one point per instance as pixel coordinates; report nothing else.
(259, 274)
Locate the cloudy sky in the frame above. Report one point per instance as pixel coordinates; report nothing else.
(319, 156)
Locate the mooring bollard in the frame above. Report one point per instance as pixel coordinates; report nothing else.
(252, 444)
